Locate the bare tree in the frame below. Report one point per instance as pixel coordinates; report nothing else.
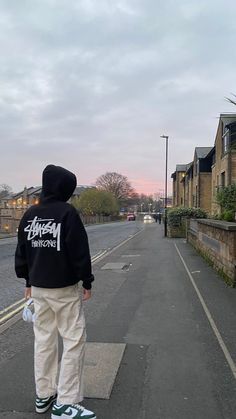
(233, 101)
(5, 190)
(117, 184)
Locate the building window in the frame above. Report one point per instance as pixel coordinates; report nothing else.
(196, 169)
(225, 141)
(223, 179)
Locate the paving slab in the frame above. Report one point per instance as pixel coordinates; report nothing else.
(102, 361)
(114, 266)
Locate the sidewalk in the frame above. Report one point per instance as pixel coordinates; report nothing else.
(173, 366)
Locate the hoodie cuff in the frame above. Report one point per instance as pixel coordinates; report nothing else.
(87, 283)
(27, 284)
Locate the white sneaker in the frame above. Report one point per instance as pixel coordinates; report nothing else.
(75, 411)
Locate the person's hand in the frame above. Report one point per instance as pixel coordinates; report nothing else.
(27, 293)
(86, 294)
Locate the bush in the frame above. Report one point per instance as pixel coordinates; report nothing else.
(96, 202)
(226, 198)
(175, 215)
(228, 215)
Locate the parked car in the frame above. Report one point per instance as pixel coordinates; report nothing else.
(148, 219)
(131, 217)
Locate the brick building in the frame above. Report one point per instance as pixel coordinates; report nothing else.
(223, 156)
(187, 181)
(196, 184)
(192, 182)
(201, 188)
(178, 186)
(14, 206)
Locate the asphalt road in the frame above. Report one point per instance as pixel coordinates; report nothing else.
(101, 238)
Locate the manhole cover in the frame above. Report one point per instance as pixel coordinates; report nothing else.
(115, 266)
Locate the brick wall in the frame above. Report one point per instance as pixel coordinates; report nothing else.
(180, 189)
(223, 164)
(190, 193)
(233, 167)
(205, 191)
(174, 193)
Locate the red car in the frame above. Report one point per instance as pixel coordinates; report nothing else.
(130, 217)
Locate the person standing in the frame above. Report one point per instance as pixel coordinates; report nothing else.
(53, 256)
(155, 216)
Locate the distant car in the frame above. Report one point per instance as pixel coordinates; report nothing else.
(148, 219)
(130, 217)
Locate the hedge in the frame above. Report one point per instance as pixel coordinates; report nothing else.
(174, 215)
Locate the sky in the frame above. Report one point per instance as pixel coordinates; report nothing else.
(91, 85)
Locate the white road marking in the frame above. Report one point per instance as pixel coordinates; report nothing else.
(98, 255)
(11, 313)
(12, 305)
(108, 252)
(210, 318)
(130, 256)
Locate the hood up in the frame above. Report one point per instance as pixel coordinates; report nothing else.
(58, 183)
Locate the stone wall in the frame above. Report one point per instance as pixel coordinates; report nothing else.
(179, 230)
(216, 241)
(10, 219)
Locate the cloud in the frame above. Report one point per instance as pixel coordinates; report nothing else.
(92, 85)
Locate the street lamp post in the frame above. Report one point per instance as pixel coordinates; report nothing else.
(165, 225)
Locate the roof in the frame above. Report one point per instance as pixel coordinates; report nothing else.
(228, 115)
(37, 191)
(211, 152)
(30, 191)
(34, 190)
(181, 167)
(189, 165)
(201, 152)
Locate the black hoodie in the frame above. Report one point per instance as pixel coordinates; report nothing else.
(52, 250)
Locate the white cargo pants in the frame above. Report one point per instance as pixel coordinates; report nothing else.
(59, 310)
